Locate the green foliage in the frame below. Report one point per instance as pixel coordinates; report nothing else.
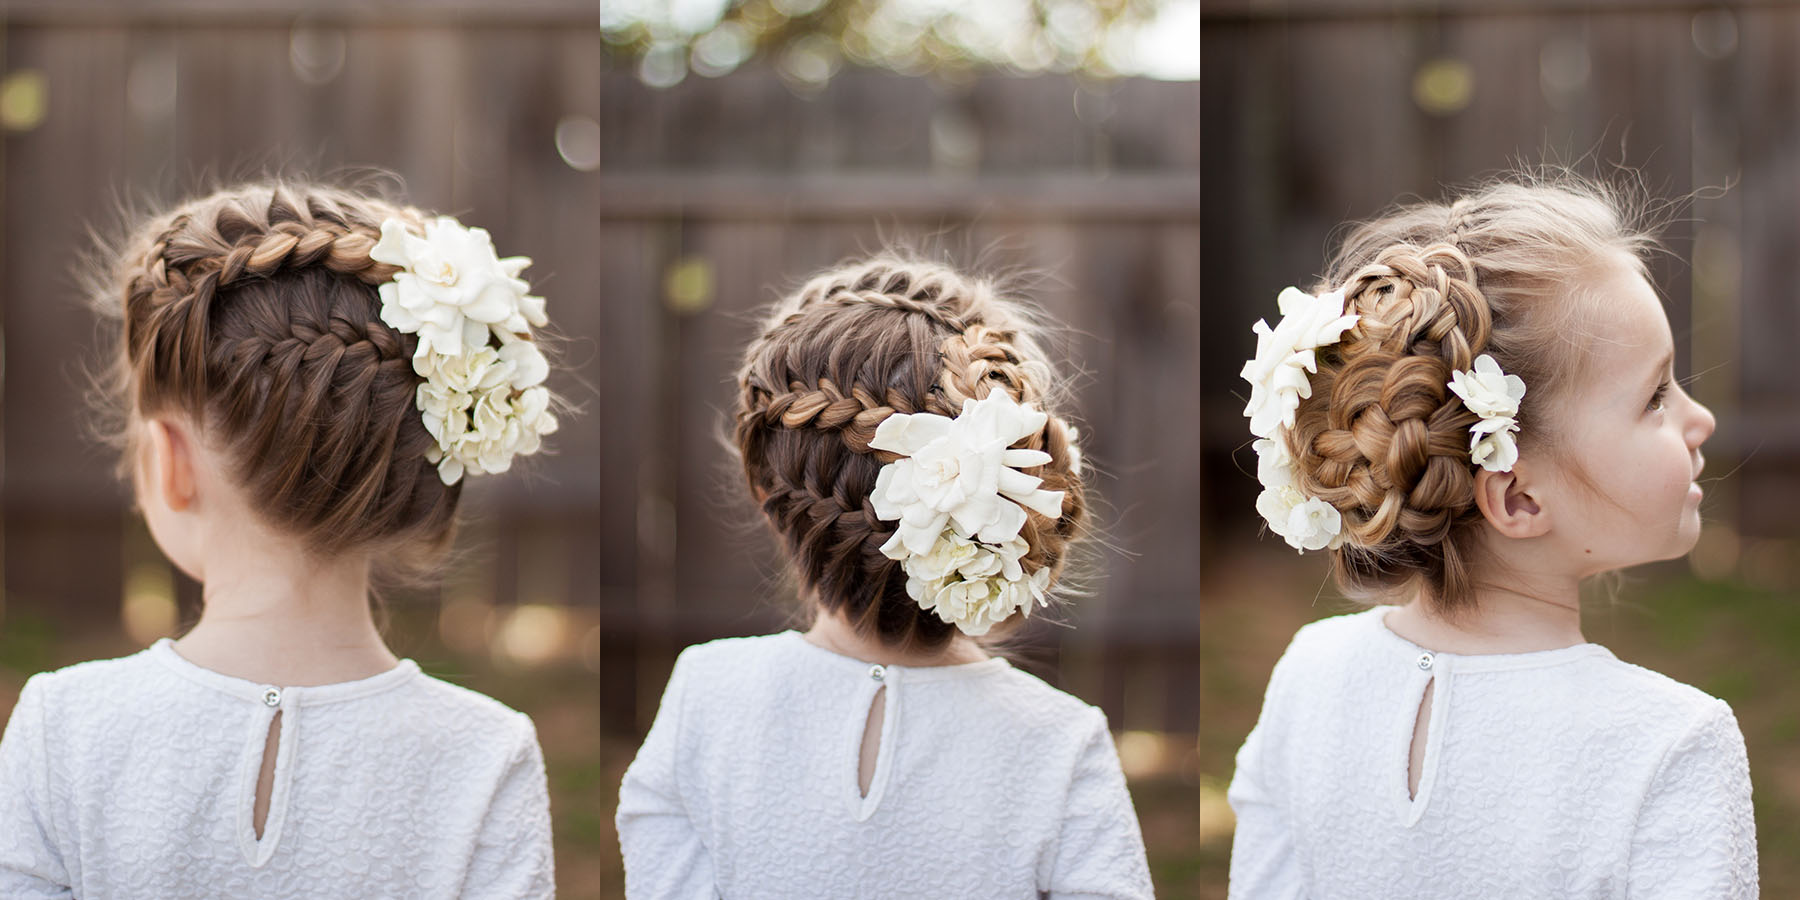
(809, 39)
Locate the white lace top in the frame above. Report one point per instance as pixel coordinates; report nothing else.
(135, 778)
(989, 784)
(1559, 774)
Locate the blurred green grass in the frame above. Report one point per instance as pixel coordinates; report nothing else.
(1735, 640)
(561, 697)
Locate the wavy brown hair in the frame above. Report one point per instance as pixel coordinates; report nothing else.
(1502, 271)
(253, 313)
(853, 346)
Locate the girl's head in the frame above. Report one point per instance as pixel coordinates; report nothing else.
(253, 339)
(852, 348)
(1548, 279)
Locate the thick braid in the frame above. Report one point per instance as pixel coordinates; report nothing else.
(1389, 447)
(255, 310)
(838, 357)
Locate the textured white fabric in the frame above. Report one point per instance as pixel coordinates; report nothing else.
(1560, 774)
(135, 778)
(990, 784)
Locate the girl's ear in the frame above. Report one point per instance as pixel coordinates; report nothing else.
(171, 464)
(1512, 502)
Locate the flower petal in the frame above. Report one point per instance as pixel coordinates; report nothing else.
(906, 433)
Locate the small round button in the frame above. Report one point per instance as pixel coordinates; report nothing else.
(1425, 661)
(877, 673)
(272, 697)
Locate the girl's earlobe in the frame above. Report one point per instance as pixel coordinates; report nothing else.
(1509, 502)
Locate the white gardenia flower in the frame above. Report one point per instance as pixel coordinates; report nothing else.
(454, 288)
(960, 472)
(1284, 355)
(1487, 391)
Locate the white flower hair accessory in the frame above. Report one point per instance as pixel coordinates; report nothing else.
(960, 499)
(1494, 396)
(1278, 381)
(1284, 356)
(483, 397)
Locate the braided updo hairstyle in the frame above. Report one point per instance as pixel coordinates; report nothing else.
(254, 313)
(853, 346)
(1499, 271)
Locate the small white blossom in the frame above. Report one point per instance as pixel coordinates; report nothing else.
(1492, 445)
(1274, 467)
(1307, 523)
(1494, 396)
(973, 585)
(1486, 391)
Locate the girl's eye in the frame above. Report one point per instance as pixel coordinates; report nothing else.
(1657, 399)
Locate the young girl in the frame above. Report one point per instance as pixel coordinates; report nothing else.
(1475, 411)
(895, 425)
(306, 377)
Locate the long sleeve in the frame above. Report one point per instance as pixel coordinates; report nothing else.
(1262, 846)
(513, 856)
(665, 858)
(1100, 851)
(1696, 835)
(31, 867)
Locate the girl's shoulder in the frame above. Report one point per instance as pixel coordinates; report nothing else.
(731, 672)
(95, 685)
(1345, 653)
(156, 688)
(1618, 690)
(1334, 641)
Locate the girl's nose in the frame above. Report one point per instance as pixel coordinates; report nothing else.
(1701, 425)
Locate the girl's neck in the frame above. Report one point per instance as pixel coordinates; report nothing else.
(278, 618)
(833, 632)
(1542, 615)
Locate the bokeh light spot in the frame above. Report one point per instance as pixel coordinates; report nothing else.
(24, 100)
(1443, 87)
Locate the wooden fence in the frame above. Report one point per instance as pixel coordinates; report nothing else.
(482, 113)
(719, 194)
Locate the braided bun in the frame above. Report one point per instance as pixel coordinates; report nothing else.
(1382, 438)
(850, 348)
(254, 313)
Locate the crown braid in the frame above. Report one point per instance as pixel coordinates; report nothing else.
(254, 312)
(1389, 449)
(838, 357)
